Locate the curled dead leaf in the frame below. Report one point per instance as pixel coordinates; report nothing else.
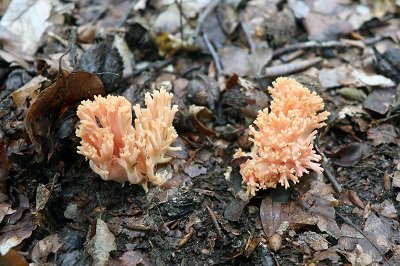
(68, 90)
(348, 154)
(199, 114)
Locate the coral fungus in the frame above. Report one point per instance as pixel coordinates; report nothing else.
(283, 137)
(117, 150)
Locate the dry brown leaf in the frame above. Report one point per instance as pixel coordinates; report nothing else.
(28, 92)
(13, 258)
(13, 234)
(132, 258)
(101, 244)
(46, 246)
(68, 90)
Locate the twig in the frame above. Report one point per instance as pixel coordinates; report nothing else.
(137, 227)
(127, 13)
(203, 16)
(327, 44)
(214, 220)
(185, 238)
(154, 65)
(327, 172)
(182, 13)
(289, 68)
(73, 43)
(58, 38)
(213, 53)
(246, 31)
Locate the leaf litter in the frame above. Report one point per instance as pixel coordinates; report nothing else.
(218, 58)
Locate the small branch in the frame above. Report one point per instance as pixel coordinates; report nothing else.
(327, 172)
(186, 238)
(329, 175)
(182, 13)
(293, 67)
(127, 13)
(203, 16)
(213, 53)
(214, 220)
(249, 38)
(157, 65)
(73, 44)
(327, 44)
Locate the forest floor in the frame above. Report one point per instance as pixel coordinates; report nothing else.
(217, 58)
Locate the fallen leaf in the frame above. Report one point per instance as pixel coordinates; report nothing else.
(132, 258)
(234, 210)
(168, 44)
(101, 244)
(274, 214)
(388, 63)
(396, 179)
(200, 114)
(4, 162)
(352, 94)
(69, 89)
(28, 92)
(42, 196)
(13, 258)
(203, 91)
(105, 58)
(348, 154)
(383, 134)
(379, 231)
(5, 209)
(347, 75)
(21, 13)
(353, 198)
(380, 100)
(13, 234)
(316, 241)
(43, 248)
(330, 254)
(386, 209)
(195, 170)
(240, 61)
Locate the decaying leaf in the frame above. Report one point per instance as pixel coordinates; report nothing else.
(13, 234)
(28, 92)
(384, 133)
(22, 13)
(240, 61)
(69, 89)
(101, 244)
(168, 44)
(375, 239)
(132, 258)
(46, 246)
(4, 162)
(42, 196)
(315, 207)
(380, 100)
(198, 115)
(349, 154)
(13, 258)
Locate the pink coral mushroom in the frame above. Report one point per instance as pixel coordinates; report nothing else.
(118, 151)
(283, 140)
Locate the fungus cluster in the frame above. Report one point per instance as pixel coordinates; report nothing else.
(119, 151)
(283, 137)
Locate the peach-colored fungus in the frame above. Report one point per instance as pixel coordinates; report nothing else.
(118, 151)
(283, 137)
